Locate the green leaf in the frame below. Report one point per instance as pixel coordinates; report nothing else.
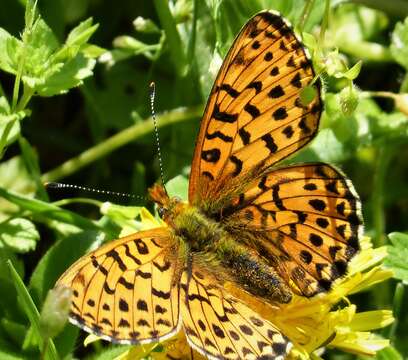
(9, 47)
(19, 234)
(352, 73)
(327, 146)
(40, 45)
(92, 51)
(399, 43)
(59, 257)
(398, 255)
(389, 353)
(30, 13)
(46, 210)
(178, 186)
(14, 177)
(15, 330)
(9, 120)
(30, 309)
(81, 33)
(309, 40)
(76, 39)
(31, 163)
(70, 75)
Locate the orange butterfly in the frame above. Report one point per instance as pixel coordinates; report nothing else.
(269, 231)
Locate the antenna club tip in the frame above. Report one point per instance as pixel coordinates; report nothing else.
(152, 85)
(50, 184)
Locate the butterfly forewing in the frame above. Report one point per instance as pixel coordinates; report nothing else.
(220, 326)
(127, 291)
(254, 116)
(306, 219)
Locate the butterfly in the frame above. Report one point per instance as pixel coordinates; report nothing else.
(271, 231)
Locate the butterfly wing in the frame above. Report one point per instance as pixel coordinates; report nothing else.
(254, 116)
(127, 291)
(220, 326)
(305, 221)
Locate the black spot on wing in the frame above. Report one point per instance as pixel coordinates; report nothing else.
(244, 135)
(219, 135)
(238, 165)
(229, 90)
(252, 110)
(280, 113)
(257, 85)
(223, 116)
(212, 155)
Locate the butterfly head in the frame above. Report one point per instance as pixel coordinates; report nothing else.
(168, 207)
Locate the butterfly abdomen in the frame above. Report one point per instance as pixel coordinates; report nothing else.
(250, 271)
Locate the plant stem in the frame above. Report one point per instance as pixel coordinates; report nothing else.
(131, 133)
(27, 95)
(381, 295)
(173, 37)
(64, 202)
(366, 50)
(325, 23)
(305, 14)
(397, 305)
(381, 167)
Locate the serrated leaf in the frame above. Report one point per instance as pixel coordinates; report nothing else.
(398, 255)
(19, 234)
(76, 39)
(40, 44)
(81, 33)
(399, 43)
(30, 13)
(9, 46)
(69, 76)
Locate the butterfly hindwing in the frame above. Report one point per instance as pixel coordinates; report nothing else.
(127, 291)
(306, 219)
(254, 116)
(220, 326)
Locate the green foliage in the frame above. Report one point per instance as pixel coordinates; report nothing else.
(398, 255)
(74, 107)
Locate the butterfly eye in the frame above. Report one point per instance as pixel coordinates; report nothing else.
(161, 211)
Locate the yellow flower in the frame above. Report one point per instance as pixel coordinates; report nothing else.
(327, 320)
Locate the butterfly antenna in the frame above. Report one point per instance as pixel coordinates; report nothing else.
(58, 185)
(156, 131)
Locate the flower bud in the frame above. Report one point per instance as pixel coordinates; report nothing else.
(54, 313)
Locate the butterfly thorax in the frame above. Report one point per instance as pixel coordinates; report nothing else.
(201, 233)
(207, 238)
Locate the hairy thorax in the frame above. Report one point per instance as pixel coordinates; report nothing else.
(208, 239)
